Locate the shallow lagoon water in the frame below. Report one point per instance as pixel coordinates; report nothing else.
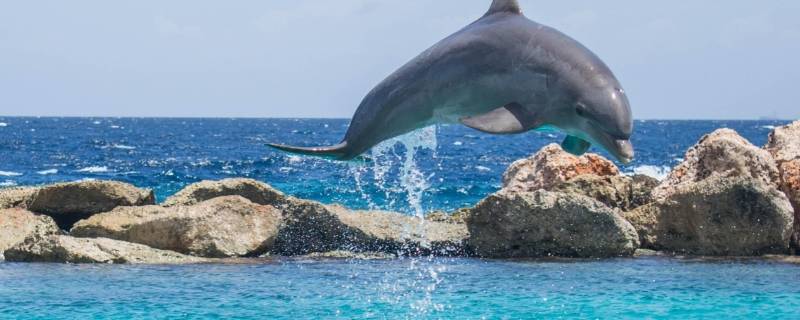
(453, 167)
(406, 288)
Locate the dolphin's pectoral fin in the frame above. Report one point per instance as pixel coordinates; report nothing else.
(575, 145)
(511, 118)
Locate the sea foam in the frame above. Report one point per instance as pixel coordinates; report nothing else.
(10, 174)
(47, 172)
(658, 172)
(94, 169)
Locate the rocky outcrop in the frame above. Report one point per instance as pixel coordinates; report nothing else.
(255, 191)
(544, 223)
(784, 145)
(347, 255)
(621, 192)
(16, 197)
(722, 153)
(312, 227)
(66, 249)
(16, 225)
(552, 166)
(70, 202)
(717, 216)
(229, 226)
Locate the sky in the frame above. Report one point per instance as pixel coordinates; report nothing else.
(712, 59)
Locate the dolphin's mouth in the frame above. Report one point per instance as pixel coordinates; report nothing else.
(623, 150)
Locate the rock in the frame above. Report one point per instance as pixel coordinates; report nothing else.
(722, 153)
(16, 197)
(16, 225)
(784, 145)
(348, 255)
(551, 166)
(255, 191)
(66, 249)
(544, 223)
(621, 192)
(718, 216)
(229, 226)
(70, 202)
(457, 216)
(312, 227)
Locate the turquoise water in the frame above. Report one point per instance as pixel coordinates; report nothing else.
(399, 289)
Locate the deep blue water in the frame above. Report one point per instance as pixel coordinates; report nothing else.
(458, 168)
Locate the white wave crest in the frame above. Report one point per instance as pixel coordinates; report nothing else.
(94, 169)
(658, 172)
(48, 171)
(3, 124)
(8, 183)
(123, 147)
(10, 174)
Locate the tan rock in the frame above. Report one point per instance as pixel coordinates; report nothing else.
(718, 216)
(16, 197)
(621, 192)
(66, 249)
(229, 226)
(312, 227)
(722, 153)
(70, 202)
(255, 191)
(544, 223)
(784, 145)
(551, 166)
(16, 225)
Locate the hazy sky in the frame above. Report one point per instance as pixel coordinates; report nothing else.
(318, 58)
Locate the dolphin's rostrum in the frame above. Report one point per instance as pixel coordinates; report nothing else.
(502, 74)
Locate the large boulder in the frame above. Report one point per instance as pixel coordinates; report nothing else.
(312, 227)
(66, 249)
(229, 226)
(16, 197)
(544, 223)
(622, 192)
(784, 145)
(723, 153)
(16, 225)
(718, 216)
(255, 191)
(70, 202)
(551, 166)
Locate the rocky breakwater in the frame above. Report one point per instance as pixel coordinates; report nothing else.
(784, 146)
(721, 200)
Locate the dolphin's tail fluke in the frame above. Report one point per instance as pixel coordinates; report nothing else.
(337, 152)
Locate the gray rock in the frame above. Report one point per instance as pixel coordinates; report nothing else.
(722, 153)
(544, 223)
(16, 225)
(717, 217)
(551, 166)
(255, 191)
(312, 227)
(621, 192)
(229, 226)
(784, 145)
(66, 249)
(70, 202)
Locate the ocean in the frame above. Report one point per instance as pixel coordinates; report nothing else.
(448, 167)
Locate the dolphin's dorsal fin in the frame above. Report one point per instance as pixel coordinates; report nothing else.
(509, 6)
(509, 119)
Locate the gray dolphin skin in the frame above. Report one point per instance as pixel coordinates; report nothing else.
(502, 74)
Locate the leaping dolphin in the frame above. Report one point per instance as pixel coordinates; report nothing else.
(502, 74)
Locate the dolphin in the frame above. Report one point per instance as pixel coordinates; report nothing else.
(502, 74)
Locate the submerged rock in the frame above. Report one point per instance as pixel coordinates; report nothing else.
(716, 217)
(723, 153)
(544, 223)
(66, 249)
(552, 166)
(16, 197)
(255, 191)
(16, 225)
(229, 226)
(784, 145)
(312, 227)
(70, 202)
(621, 192)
